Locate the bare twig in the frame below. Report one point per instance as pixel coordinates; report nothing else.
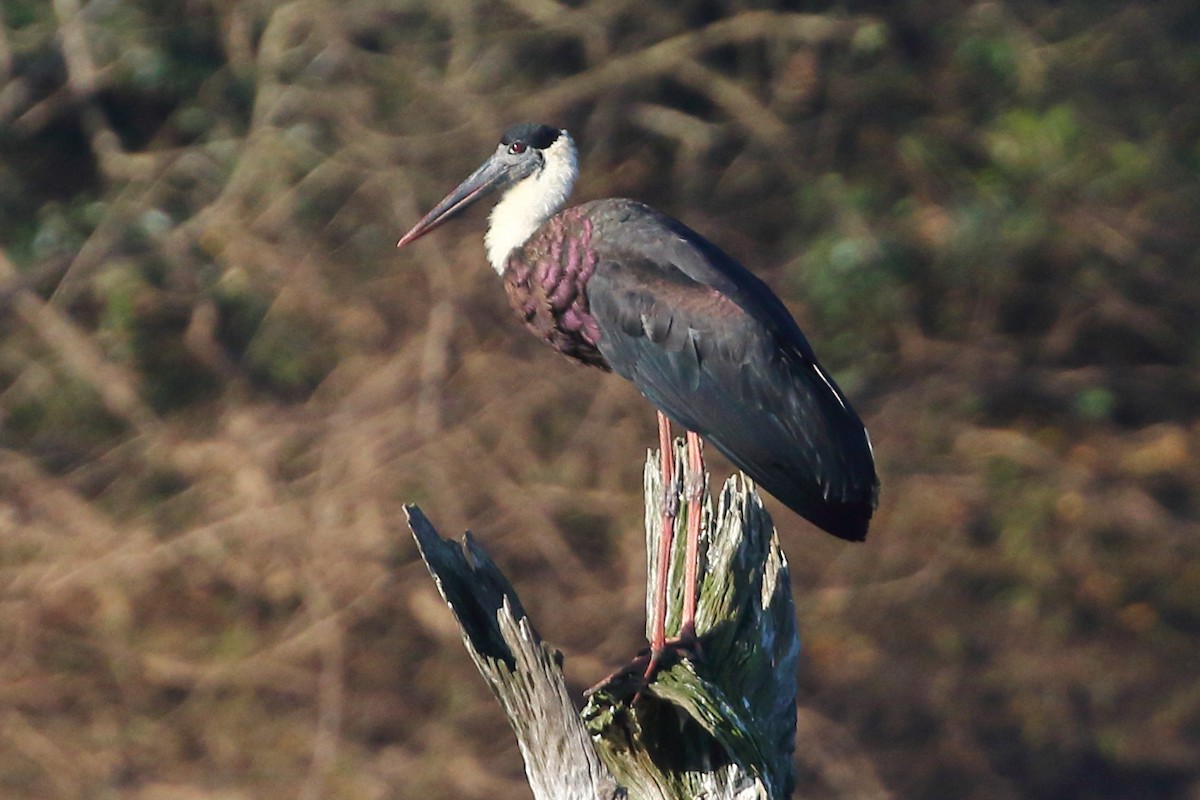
(667, 56)
(115, 385)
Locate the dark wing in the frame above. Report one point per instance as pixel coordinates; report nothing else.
(703, 343)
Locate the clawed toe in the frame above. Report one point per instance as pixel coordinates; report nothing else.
(642, 669)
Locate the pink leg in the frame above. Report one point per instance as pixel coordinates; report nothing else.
(658, 632)
(695, 492)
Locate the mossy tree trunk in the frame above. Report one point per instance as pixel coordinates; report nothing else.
(719, 723)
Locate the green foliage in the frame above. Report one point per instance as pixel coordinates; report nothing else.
(62, 421)
(1095, 404)
(24, 13)
(290, 354)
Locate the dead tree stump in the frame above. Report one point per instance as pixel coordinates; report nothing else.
(720, 725)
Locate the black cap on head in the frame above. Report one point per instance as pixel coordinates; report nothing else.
(536, 136)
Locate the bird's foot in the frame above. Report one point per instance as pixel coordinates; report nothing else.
(686, 644)
(641, 671)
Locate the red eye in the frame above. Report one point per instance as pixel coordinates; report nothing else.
(516, 148)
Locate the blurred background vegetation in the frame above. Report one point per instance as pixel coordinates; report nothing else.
(219, 381)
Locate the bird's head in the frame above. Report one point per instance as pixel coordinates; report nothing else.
(534, 167)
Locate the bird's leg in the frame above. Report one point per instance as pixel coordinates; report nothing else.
(658, 631)
(686, 640)
(694, 488)
(659, 646)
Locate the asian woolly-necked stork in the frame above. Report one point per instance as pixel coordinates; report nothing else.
(617, 285)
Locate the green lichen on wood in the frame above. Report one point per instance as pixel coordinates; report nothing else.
(717, 723)
(723, 721)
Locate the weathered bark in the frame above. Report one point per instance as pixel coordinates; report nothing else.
(717, 724)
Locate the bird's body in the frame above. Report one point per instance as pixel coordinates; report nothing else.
(617, 285)
(546, 280)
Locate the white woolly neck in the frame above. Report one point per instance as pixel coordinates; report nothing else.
(526, 205)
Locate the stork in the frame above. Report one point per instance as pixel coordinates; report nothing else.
(617, 285)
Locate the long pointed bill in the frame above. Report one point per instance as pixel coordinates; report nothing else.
(490, 176)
